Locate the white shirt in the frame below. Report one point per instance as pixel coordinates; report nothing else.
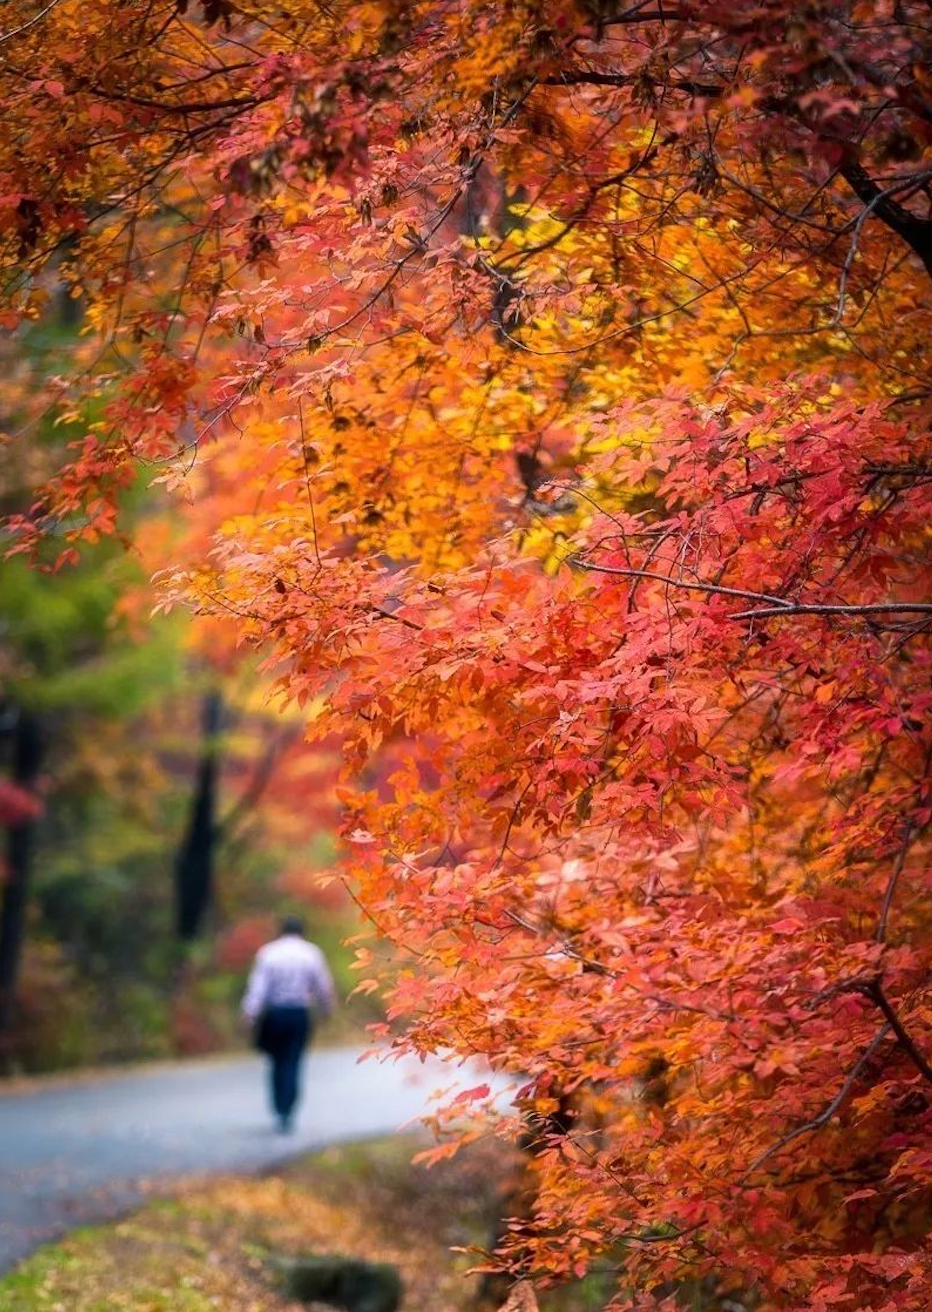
(289, 972)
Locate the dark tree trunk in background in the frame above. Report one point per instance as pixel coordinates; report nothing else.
(194, 866)
(25, 764)
(520, 1194)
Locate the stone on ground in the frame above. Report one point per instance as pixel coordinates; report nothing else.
(344, 1282)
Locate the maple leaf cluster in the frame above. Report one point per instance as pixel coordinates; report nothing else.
(549, 383)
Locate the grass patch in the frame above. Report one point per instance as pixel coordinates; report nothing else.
(206, 1250)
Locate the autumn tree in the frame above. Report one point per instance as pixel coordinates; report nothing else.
(550, 385)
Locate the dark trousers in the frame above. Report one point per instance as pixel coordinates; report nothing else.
(284, 1033)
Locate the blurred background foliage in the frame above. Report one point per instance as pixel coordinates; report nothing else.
(131, 791)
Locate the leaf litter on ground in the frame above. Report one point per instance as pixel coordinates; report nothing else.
(208, 1248)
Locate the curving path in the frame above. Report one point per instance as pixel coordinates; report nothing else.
(78, 1152)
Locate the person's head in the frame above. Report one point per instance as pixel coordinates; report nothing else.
(292, 925)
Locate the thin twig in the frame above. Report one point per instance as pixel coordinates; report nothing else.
(894, 880)
(818, 608)
(777, 606)
(8, 36)
(717, 588)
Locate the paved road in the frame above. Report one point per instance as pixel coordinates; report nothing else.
(74, 1153)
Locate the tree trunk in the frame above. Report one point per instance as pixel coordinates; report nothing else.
(194, 866)
(26, 762)
(519, 1197)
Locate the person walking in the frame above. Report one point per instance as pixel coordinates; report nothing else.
(290, 986)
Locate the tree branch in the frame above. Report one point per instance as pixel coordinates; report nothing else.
(777, 605)
(911, 832)
(817, 608)
(872, 989)
(826, 1115)
(261, 778)
(894, 880)
(717, 588)
(916, 232)
(594, 78)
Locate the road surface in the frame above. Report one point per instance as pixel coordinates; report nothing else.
(85, 1151)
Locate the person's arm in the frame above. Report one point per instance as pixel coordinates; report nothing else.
(325, 995)
(256, 990)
